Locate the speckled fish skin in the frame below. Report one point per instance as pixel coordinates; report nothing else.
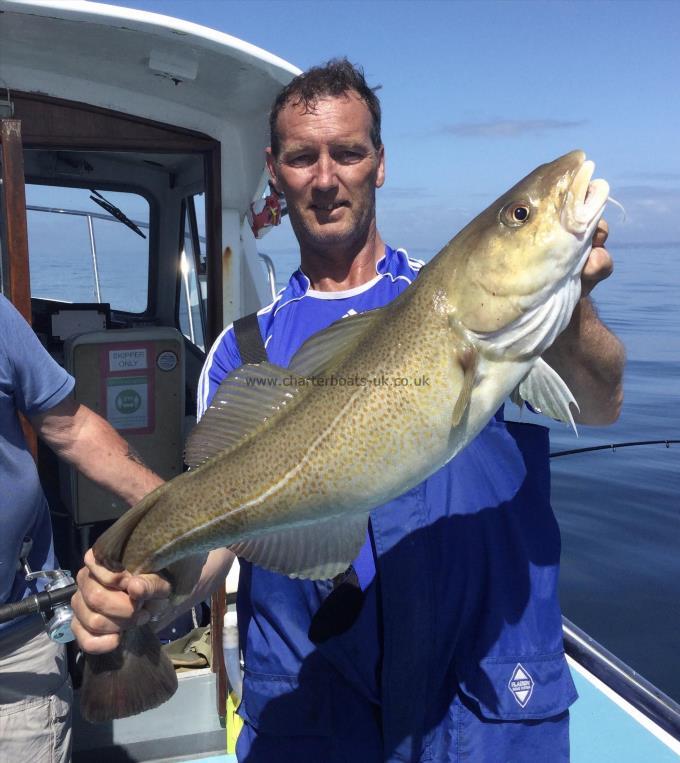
(324, 456)
(478, 308)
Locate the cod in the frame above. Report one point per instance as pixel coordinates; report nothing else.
(286, 464)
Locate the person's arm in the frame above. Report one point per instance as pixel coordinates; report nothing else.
(88, 442)
(108, 603)
(587, 355)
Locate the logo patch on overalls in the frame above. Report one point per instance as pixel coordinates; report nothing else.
(521, 685)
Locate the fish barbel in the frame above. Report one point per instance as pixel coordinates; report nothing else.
(286, 464)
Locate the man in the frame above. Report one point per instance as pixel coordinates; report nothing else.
(35, 692)
(427, 650)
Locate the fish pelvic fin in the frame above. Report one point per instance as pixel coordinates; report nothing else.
(545, 390)
(137, 676)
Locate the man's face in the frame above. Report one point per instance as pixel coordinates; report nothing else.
(328, 170)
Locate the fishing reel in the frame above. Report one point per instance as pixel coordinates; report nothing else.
(56, 609)
(53, 603)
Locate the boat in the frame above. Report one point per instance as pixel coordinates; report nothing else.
(132, 155)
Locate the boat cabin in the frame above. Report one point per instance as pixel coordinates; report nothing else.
(132, 148)
(132, 151)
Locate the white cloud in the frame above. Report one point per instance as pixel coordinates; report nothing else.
(509, 128)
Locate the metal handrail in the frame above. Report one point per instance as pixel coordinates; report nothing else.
(90, 228)
(271, 273)
(271, 268)
(81, 213)
(95, 266)
(625, 681)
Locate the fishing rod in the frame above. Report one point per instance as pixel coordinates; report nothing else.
(613, 447)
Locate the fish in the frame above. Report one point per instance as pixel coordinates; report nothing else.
(286, 464)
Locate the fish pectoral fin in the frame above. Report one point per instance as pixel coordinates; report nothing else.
(323, 351)
(244, 401)
(546, 392)
(467, 359)
(315, 551)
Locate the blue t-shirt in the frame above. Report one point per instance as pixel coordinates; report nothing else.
(31, 382)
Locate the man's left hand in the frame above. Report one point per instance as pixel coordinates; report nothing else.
(599, 264)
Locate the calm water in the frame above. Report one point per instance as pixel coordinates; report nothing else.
(620, 511)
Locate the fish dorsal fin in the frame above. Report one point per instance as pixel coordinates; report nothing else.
(315, 551)
(324, 350)
(546, 392)
(244, 401)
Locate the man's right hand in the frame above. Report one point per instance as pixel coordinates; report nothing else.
(108, 603)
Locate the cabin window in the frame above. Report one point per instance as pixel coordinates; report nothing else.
(80, 252)
(192, 266)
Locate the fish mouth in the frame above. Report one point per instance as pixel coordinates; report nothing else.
(585, 200)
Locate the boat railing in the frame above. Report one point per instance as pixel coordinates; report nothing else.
(601, 663)
(271, 273)
(91, 216)
(621, 678)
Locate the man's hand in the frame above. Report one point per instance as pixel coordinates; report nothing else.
(587, 356)
(108, 603)
(599, 264)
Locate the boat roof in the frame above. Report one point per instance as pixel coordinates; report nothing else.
(146, 65)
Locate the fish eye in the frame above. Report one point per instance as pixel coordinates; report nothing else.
(515, 213)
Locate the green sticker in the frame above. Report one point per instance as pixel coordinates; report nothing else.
(128, 401)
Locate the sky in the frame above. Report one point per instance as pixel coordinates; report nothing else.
(477, 94)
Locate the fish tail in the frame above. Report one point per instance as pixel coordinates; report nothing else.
(137, 676)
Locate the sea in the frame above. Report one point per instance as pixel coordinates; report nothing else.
(619, 508)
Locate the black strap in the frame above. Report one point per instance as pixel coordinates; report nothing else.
(249, 339)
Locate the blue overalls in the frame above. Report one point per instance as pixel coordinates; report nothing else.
(446, 645)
